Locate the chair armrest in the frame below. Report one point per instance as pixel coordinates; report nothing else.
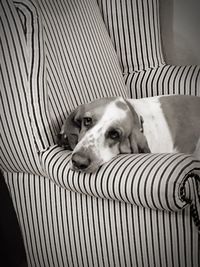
(155, 181)
(165, 79)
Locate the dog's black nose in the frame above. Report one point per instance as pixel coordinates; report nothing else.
(80, 161)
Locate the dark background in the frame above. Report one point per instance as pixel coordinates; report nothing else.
(12, 252)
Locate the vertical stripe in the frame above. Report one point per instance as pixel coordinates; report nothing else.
(15, 117)
(134, 28)
(64, 61)
(63, 228)
(164, 80)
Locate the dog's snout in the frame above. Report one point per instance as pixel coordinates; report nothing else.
(80, 161)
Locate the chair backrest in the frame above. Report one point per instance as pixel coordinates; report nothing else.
(56, 55)
(134, 28)
(81, 63)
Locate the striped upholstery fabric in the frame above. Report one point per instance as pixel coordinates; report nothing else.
(137, 210)
(81, 64)
(18, 151)
(147, 180)
(67, 67)
(62, 228)
(134, 28)
(23, 45)
(164, 80)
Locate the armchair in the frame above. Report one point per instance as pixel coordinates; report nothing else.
(137, 210)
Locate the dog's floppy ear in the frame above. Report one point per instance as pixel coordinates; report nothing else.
(68, 136)
(138, 142)
(125, 146)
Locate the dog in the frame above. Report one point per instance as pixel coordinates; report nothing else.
(106, 127)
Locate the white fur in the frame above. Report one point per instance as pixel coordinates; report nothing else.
(96, 136)
(155, 127)
(93, 143)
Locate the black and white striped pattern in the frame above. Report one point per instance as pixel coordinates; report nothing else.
(164, 80)
(62, 228)
(81, 64)
(135, 210)
(134, 28)
(18, 151)
(148, 180)
(66, 59)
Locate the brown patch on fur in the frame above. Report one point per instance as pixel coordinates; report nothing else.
(138, 140)
(182, 114)
(71, 129)
(121, 105)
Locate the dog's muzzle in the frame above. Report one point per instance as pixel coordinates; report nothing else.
(80, 161)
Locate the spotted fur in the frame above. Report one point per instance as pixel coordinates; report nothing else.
(162, 124)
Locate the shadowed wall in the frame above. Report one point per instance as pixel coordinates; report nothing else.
(180, 26)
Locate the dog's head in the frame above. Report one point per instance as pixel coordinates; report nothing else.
(99, 131)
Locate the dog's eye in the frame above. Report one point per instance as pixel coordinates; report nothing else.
(114, 135)
(87, 121)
